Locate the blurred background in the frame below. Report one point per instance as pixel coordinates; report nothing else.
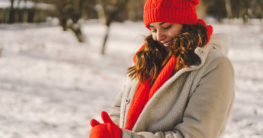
(62, 62)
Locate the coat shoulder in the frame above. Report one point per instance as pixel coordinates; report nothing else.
(217, 58)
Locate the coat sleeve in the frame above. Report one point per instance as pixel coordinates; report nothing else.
(209, 107)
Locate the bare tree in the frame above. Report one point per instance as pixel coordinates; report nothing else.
(111, 12)
(11, 12)
(69, 12)
(243, 9)
(228, 8)
(246, 4)
(215, 8)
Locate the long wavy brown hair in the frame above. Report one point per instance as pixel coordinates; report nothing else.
(153, 57)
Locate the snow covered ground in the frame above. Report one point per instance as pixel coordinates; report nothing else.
(51, 85)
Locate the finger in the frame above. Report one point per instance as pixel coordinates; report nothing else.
(106, 118)
(94, 122)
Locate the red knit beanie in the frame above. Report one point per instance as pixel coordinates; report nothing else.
(171, 11)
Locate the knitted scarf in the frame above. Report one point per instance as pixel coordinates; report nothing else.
(145, 91)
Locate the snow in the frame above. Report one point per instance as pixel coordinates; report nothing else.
(51, 85)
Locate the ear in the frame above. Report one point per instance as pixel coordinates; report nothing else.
(195, 2)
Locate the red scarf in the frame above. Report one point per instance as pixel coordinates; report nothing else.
(145, 91)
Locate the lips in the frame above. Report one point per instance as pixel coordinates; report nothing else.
(168, 43)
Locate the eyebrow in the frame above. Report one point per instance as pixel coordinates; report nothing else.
(159, 24)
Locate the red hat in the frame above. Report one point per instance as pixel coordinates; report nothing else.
(172, 11)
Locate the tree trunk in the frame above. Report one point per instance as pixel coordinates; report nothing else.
(101, 12)
(63, 23)
(228, 9)
(238, 9)
(11, 12)
(105, 39)
(25, 12)
(119, 6)
(76, 28)
(245, 16)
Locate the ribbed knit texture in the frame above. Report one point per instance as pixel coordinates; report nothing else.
(145, 91)
(172, 11)
(209, 28)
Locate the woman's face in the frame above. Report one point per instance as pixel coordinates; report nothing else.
(164, 32)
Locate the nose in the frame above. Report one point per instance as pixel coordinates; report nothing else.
(160, 36)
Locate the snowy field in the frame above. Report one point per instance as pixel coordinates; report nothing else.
(51, 85)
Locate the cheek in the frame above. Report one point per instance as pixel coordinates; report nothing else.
(173, 33)
(154, 36)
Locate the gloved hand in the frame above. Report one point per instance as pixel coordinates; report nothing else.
(106, 130)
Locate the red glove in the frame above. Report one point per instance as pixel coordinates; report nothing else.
(106, 130)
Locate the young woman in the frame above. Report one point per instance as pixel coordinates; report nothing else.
(181, 84)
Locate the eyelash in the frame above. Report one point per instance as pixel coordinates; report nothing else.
(168, 27)
(164, 28)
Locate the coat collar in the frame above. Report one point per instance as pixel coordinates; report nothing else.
(218, 41)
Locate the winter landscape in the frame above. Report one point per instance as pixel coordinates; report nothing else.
(51, 85)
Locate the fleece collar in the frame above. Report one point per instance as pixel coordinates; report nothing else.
(218, 41)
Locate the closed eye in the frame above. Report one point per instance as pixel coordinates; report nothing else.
(153, 31)
(168, 27)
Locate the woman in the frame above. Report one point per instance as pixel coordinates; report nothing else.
(180, 85)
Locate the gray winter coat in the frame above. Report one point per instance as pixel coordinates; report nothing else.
(194, 103)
